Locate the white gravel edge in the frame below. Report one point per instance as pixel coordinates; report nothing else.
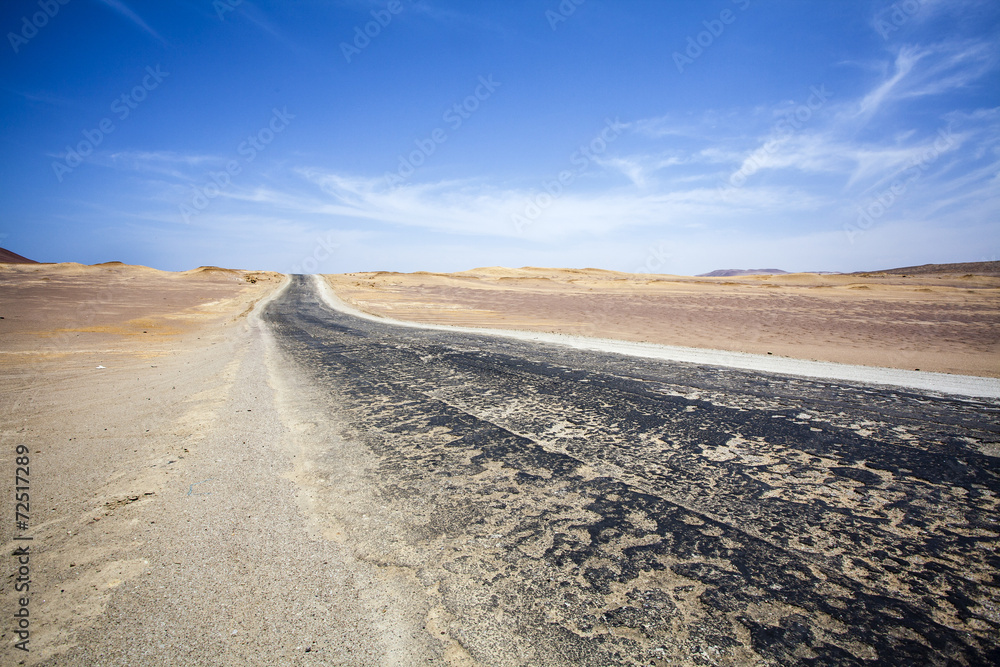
(945, 383)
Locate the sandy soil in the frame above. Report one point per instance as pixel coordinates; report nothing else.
(55, 311)
(174, 517)
(940, 322)
(167, 519)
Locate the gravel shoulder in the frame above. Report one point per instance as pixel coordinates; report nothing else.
(945, 383)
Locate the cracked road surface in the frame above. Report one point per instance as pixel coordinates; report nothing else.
(563, 507)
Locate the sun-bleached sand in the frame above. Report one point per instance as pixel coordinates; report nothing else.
(167, 518)
(60, 310)
(938, 322)
(172, 451)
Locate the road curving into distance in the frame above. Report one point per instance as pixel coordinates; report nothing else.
(572, 507)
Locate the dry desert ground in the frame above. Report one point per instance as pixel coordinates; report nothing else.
(946, 321)
(167, 486)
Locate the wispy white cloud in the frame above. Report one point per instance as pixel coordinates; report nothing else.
(127, 12)
(936, 69)
(147, 159)
(475, 209)
(181, 167)
(639, 168)
(832, 142)
(893, 14)
(905, 61)
(804, 168)
(45, 97)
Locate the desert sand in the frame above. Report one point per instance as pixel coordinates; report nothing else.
(66, 310)
(937, 321)
(170, 512)
(166, 522)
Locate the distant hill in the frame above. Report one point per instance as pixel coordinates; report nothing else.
(975, 268)
(728, 273)
(8, 257)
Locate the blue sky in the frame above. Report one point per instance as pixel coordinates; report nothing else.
(669, 137)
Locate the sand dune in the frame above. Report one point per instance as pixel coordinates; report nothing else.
(55, 309)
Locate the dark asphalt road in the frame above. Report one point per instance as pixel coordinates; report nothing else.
(570, 507)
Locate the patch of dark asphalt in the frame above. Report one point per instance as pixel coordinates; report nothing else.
(572, 507)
